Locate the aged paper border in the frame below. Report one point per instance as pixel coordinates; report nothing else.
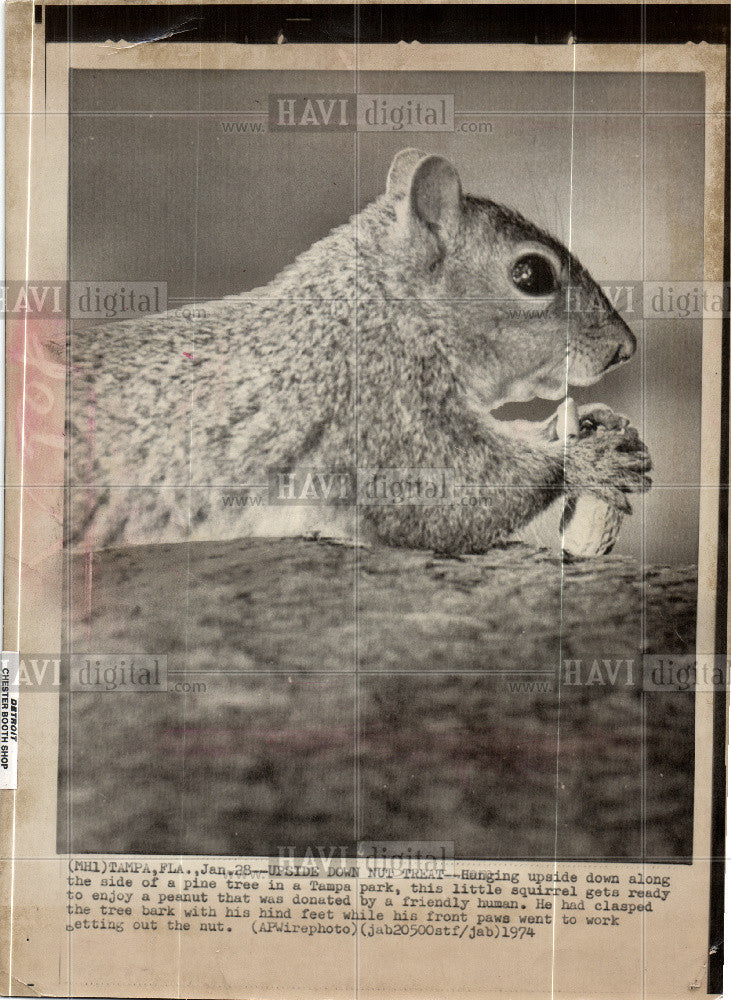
(673, 949)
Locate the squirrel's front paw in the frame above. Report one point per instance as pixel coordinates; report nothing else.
(609, 463)
(592, 416)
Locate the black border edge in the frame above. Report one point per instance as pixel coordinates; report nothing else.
(720, 735)
(439, 23)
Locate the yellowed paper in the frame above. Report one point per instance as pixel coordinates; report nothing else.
(282, 734)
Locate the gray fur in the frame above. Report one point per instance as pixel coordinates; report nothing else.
(386, 344)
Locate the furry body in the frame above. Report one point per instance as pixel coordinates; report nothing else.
(384, 345)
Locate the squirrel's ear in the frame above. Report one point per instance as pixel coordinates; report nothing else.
(401, 172)
(428, 200)
(436, 195)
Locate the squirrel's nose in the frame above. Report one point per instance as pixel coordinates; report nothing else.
(626, 348)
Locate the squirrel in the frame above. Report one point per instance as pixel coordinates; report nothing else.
(387, 344)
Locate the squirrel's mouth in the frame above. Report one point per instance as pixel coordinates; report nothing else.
(528, 406)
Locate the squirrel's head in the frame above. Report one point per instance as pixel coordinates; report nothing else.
(526, 318)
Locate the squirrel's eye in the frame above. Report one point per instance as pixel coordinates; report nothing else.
(534, 275)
